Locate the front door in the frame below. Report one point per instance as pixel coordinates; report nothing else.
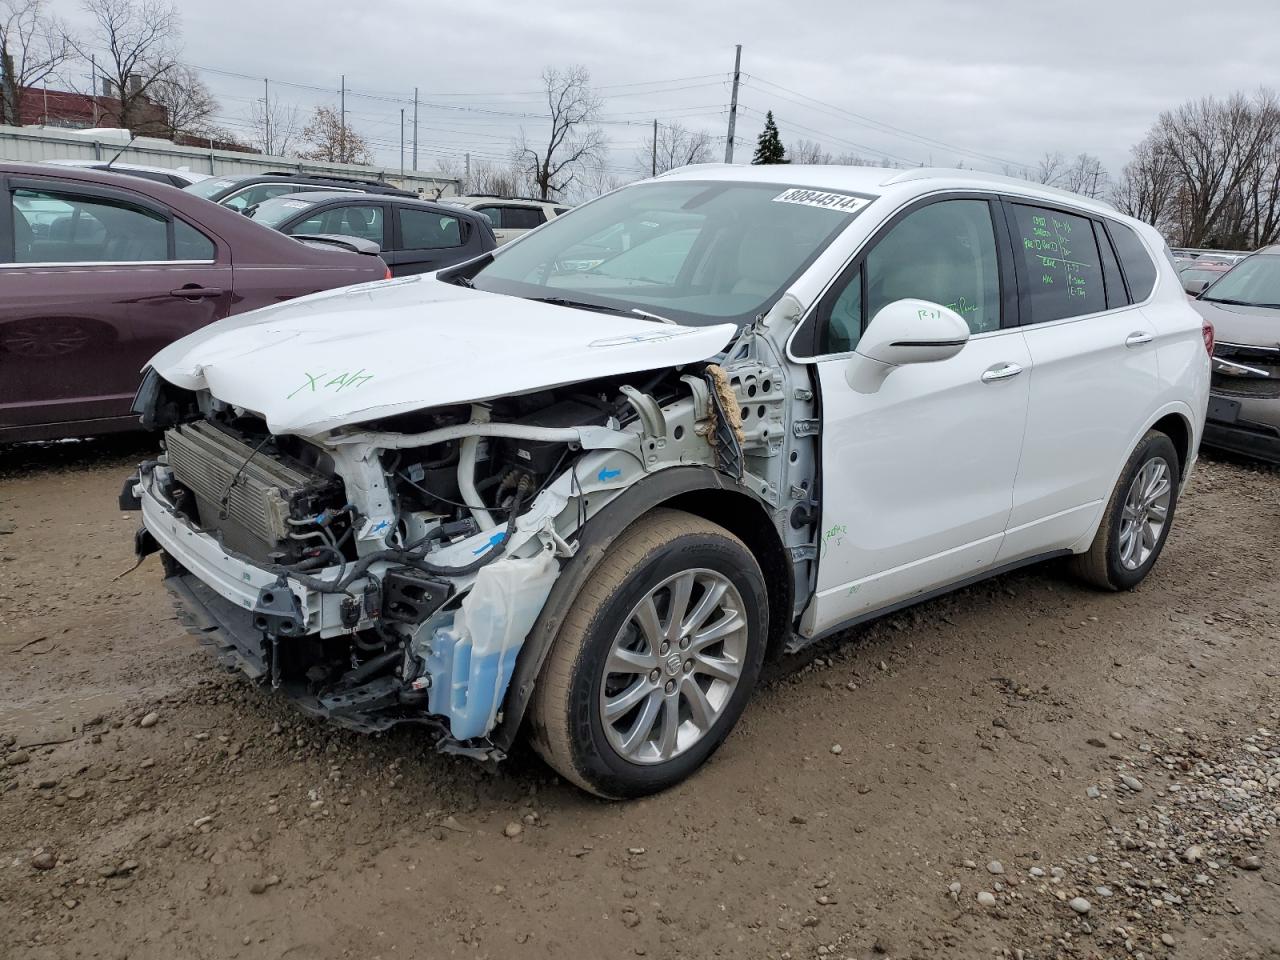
(918, 460)
(94, 282)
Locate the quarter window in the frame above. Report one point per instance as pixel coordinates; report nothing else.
(190, 244)
(426, 230)
(51, 227)
(1138, 268)
(1062, 265)
(944, 252)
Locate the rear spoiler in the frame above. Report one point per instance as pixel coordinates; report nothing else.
(354, 244)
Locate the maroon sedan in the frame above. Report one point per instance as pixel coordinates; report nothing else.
(98, 271)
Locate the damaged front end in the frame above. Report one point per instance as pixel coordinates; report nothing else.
(392, 571)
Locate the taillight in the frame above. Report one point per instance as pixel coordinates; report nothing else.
(387, 276)
(1207, 330)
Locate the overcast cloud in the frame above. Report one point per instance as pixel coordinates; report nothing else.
(1006, 80)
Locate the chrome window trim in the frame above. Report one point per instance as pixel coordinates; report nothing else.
(110, 263)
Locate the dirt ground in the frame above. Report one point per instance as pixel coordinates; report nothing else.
(947, 782)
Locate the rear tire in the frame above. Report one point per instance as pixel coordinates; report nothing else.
(1136, 523)
(621, 716)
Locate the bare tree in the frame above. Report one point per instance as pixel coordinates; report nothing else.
(1214, 147)
(188, 104)
(809, 151)
(1049, 170)
(677, 146)
(334, 141)
(1086, 176)
(1147, 183)
(573, 143)
(140, 37)
(33, 44)
(274, 127)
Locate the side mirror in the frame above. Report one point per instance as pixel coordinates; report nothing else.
(913, 331)
(1194, 288)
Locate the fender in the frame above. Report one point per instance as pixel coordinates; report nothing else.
(596, 536)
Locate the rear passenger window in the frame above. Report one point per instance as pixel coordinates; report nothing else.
(1062, 264)
(425, 230)
(522, 218)
(1138, 268)
(189, 243)
(493, 215)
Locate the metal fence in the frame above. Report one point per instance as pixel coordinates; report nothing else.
(34, 144)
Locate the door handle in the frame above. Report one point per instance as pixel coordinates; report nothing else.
(1136, 338)
(1001, 371)
(196, 293)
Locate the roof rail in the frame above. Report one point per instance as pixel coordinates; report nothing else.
(325, 176)
(500, 196)
(926, 173)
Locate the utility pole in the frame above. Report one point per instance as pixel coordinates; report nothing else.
(467, 173)
(342, 100)
(402, 141)
(415, 128)
(93, 85)
(733, 102)
(653, 163)
(266, 114)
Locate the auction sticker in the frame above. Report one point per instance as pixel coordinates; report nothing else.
(827, 201)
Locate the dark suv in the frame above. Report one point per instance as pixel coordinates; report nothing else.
(98, 271)
(414, 236)
(241, 193)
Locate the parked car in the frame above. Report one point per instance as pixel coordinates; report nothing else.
(1196, 277)
(241, 193)
(511, 217)
(594, 497)
(175, 178)
(100, 270)
(414, 236)
(1244, 406)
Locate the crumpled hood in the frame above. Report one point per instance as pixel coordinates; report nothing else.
(1255, 326)
(375, 349)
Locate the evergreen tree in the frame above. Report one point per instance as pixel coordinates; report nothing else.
(769, 148)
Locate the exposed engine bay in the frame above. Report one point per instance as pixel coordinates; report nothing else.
(391, 572)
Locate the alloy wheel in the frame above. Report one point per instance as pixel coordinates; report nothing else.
(1145, 512)
(673, 666)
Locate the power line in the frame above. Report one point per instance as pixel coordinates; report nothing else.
(881, 126)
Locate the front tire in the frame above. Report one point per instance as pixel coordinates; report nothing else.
(655, 661)
(1137, 520)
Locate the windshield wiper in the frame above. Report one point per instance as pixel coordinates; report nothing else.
(601, 308)
(1234, 303)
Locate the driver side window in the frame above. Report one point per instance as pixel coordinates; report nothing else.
(944, 252)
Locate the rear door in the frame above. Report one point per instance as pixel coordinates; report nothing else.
(93, 281)
(1094, 375)
(425, 240)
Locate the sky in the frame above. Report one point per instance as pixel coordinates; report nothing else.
(992, 85)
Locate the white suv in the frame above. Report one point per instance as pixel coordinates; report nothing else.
(511, 217)
(593, 481)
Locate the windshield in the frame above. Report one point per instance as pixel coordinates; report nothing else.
(1251, 282)
(692, 251)
(214, 185)
(277, 210)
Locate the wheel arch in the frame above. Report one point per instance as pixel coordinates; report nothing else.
(701, 491)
